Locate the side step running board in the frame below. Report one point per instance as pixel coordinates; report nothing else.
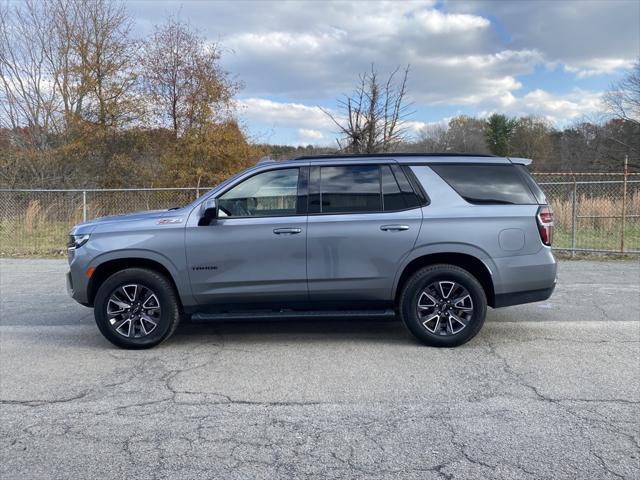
(289, 314)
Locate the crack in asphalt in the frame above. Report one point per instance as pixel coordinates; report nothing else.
(365, 454)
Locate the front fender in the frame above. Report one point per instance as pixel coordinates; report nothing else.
(179, 275)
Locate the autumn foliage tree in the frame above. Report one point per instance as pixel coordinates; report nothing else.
(187, 87)
(83, 103)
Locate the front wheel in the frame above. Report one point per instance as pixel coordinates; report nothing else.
(137, 308)
(443, 305)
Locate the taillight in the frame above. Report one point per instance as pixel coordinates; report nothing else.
(545, 224)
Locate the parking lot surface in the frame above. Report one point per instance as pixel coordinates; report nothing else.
(546, 390)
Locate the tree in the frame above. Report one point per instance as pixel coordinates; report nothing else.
(466, 135)
(208, 156)
(26, 98)
(372, 118)
(623, 99)
(531, 139)
(499, 130)
(106, 62)
(463, 134)
(184, 80)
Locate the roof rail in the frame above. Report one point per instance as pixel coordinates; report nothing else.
(265, 159)
(520, 161)
(386, 154)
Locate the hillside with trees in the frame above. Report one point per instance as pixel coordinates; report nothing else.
(83, 103)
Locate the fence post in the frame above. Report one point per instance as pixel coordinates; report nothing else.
(84, 205)
(624, 202)
(574, 216)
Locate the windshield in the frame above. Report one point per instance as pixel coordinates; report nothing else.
(219, 186)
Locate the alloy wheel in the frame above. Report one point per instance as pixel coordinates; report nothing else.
(445, 308)
(133, 310)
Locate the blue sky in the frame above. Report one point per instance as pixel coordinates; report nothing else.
(552, 59)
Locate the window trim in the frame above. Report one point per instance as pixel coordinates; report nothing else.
(244, 179)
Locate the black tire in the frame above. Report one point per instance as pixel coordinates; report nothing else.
(168, 314)
(421, 281)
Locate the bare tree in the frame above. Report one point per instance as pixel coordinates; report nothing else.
(623, 100)
(27, 97)
(373, 116)
(183, 78)
(66, 58)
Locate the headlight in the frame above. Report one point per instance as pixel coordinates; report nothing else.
(76, 241)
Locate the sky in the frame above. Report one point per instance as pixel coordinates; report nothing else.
(552, 59)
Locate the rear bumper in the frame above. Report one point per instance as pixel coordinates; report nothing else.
(518, 298)
(524, 278)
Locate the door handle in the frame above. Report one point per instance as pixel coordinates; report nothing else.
(286, 231)
(394, 228)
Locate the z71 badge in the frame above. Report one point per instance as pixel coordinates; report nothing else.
(169, 221)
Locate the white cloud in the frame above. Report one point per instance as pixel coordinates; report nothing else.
(558, 109)
(310, 136)
(598, 66)
(291, 115)
(437, 22)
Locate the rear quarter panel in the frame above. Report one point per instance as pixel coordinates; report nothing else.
(501, 236)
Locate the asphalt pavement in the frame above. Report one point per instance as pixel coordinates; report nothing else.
(546, 390)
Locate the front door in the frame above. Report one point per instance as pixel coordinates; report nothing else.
(256, 250)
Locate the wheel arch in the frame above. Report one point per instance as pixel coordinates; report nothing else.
(469, 262)
(107, 268)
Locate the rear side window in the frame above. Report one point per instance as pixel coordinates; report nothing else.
(350, 189)
(391, 194)
(537, 191)
(487, 184)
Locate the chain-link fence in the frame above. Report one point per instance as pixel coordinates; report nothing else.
(37, 222)
(593, 213)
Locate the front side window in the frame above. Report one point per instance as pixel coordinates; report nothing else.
(350, 189)
(267, 194)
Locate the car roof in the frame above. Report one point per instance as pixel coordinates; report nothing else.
(415, 158)
(402, 158)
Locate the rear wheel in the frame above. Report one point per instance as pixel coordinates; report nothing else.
(137, 308)
(443, 305)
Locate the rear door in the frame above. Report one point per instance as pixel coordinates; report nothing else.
(362, 220)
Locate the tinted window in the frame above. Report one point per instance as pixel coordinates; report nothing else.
(487, 183)
(410, 197)
(539, 194)
(350, 189)
(392, 196)
(271, 193)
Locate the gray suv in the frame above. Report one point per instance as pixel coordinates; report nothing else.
(433, 239)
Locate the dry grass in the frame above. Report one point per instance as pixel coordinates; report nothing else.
(592, 207)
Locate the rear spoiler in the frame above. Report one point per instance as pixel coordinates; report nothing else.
(520, 161)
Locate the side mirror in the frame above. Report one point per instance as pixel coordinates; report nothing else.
(209, 212)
